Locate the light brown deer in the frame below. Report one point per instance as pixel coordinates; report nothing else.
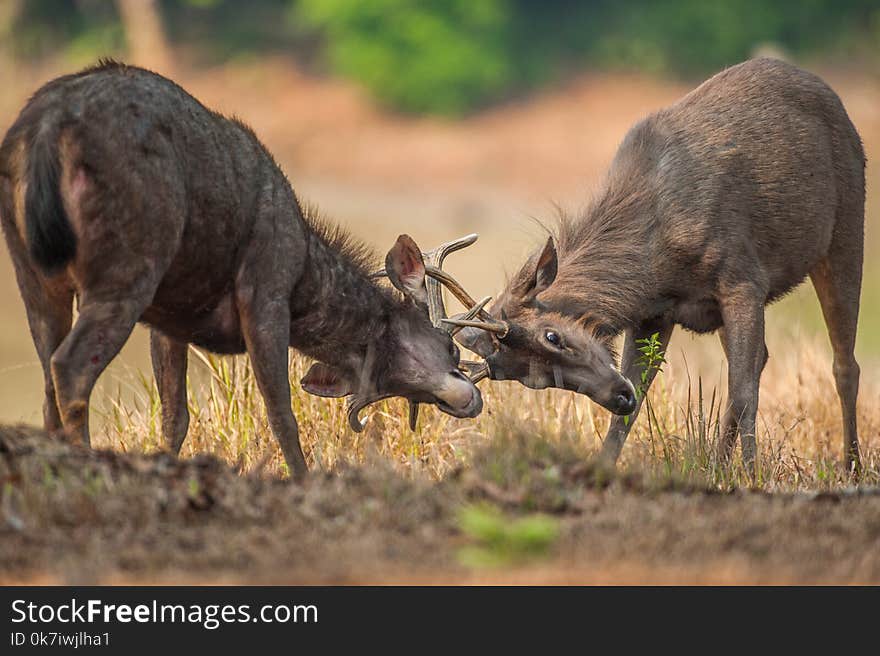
(713, 208)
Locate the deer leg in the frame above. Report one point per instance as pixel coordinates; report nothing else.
(49, 308)
(169, 367)
(632, 368)
(837, 283)
(265, 327)
(49, 314)
(742, 311)
(730, 422)
(50, 323)
(101, 329)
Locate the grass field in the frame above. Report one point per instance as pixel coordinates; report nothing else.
(672, 441)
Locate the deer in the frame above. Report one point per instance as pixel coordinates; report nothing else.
(120, 191)
(711, 209)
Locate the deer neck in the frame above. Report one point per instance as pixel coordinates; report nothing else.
(606, 274)
(337, 310)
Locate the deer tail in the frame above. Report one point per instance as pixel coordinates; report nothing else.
(50, 238)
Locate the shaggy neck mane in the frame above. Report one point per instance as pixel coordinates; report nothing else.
(337, 307)
(603, 255)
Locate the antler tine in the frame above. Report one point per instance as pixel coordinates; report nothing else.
(477, 308)
(457, 290)
(485, 320)
(434, 261)
(472, 313)
(500, 328)
(356, 403)
(413, 415)
(476, 371)
(440, 276)
(437, 255)
(353, 409)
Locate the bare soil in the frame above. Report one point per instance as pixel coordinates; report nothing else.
(71, 515)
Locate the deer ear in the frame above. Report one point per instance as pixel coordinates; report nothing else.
(324, 380)
(406, 268)
(539, 273)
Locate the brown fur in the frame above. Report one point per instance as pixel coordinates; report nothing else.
(712, 208)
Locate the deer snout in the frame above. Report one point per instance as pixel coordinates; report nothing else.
(623, 402)
(458, 396)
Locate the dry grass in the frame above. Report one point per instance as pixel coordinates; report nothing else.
(674, 440)
(525, 509)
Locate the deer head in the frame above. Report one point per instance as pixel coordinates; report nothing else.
(541, 347)
(415, 356)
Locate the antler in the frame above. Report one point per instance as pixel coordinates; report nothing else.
(436, 309)
(356, 403)
(476, 371)
(499, 328)
(435, 276)
(469, 315)
(434, 262)
(475, 316)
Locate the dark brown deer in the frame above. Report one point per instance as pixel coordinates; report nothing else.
(119, 189)
(713, 208)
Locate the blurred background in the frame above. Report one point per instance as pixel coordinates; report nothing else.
(444, 117)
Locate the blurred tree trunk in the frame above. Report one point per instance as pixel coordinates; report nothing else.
(9, 11)
(147, 45)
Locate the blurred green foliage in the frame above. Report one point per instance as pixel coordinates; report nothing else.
(439, 55)
(41, 27)
(498, 540)
(453, 56)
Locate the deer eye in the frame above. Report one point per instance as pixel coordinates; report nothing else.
(553, 338)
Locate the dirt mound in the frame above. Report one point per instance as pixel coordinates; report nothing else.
(82, 515)
(72, 515)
